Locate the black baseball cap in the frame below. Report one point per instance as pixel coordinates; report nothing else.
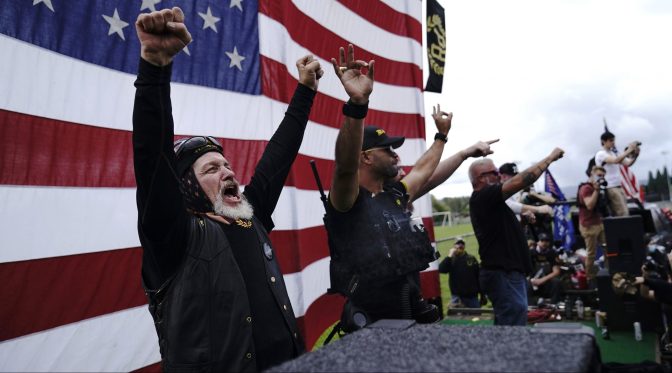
(375, 137)
(509, 169)
(544, 237)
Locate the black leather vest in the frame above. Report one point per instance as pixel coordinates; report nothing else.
(375, 242)
(202, 313)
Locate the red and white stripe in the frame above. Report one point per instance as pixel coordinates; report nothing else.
(70, 259)
(629, 183)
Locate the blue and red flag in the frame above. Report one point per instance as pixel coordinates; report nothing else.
(563, 229)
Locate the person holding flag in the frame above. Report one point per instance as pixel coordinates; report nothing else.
(609, 158)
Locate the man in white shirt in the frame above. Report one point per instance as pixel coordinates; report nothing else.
(611, 161)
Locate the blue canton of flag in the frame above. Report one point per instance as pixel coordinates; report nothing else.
(224, 52)
(563, 229)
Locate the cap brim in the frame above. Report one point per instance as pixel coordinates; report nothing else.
(394, 142)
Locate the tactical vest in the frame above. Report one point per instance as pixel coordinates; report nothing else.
(375, 242)
(202, 313)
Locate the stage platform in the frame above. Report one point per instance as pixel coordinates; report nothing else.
(402, 346)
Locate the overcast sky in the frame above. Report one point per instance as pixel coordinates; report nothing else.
(540, 74)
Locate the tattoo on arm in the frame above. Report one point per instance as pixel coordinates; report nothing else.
(528, 178)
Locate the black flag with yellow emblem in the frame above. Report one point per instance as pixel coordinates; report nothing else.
(436, 45)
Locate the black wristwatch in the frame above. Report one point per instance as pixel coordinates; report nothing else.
(440, 136)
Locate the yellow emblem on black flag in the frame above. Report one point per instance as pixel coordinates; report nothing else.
(436, 45)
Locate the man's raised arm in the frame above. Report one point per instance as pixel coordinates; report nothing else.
(345, 183)
(447, 167)
(425, 166)
(530, 175)
(271, 171)
(162, 35)
(624, 157)
(161, 210)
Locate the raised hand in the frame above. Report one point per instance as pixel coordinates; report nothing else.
(357, 84)
(480, 149)
(442, 120)
(556, 154)
(310, 71)
(162, 35)
(633, 148)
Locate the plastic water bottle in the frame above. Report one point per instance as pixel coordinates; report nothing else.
(638, 331)
(580, 310)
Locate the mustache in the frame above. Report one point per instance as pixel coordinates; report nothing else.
(231, 183)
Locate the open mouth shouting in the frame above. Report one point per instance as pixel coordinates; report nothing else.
(231, 192)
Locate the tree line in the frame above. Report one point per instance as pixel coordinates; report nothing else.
(657, 188)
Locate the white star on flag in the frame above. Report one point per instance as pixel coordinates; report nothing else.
(149, 4)
(209, 20)
(48, 4)
(116, 24)
(237, 3)
(236, 59)
(186, 50)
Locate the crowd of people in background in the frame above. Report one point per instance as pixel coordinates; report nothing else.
(533, 275)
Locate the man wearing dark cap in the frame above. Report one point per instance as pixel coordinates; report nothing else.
(608, 158)
(505, 258)
(463, 281)
(546, 268)
(215, 290)
(377, 252)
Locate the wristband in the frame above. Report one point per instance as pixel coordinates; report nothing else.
(440, 136)
(356, 111)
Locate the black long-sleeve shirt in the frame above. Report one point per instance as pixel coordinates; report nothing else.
(163, 221)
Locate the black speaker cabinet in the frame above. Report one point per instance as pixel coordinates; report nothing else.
(625, 243)
(623, 310)
(647, 219)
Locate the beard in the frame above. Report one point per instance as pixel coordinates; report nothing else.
(390, 172)
(242, 210)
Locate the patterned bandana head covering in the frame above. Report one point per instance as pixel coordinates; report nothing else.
(194, 196)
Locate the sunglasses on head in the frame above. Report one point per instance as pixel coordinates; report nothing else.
(196, 145)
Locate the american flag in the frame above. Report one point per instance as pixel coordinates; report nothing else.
(629, 183)
(70, 261)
